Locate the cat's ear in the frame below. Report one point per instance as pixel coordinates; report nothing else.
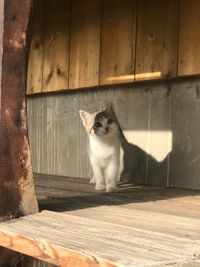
(85, 117)
(110, 107)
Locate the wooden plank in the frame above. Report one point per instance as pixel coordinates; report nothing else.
(189, 38)
(85, 43)
(179, 202)
(117, 55)
(177, 226)
(67, 243)
(35, 64)
(56, 45)
(157, 39)
(63, 183)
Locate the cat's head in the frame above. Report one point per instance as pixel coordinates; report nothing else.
(101, 123)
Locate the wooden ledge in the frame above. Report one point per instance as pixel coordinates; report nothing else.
(125, 239)
(52, 237)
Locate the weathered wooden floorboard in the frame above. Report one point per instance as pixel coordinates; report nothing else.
(136, 226)
(172, 225)
(64, 239)
(75, 194)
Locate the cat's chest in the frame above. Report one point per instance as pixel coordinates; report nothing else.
(104, 151)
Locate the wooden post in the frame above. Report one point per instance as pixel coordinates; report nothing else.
(17, 195)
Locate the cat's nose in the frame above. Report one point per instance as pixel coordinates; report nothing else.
(107, 129)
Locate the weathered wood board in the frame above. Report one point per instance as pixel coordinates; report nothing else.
(15, 163)
(189, 38)
(56, 45)
(67, 243)
(85, 43)
(157, 39)
(80, 44)
(17, 195)
(35, 63)
(118, 34)
(136, 226)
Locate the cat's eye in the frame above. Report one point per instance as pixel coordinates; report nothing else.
(97, 124)
(110, 121)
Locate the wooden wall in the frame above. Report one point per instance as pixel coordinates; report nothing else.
(85, 43)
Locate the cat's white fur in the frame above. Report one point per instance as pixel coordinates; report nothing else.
(104, 152)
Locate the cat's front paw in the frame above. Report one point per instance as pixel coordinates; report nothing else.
(93, 180)
(118, 179)
(100, 187)
(111, 188)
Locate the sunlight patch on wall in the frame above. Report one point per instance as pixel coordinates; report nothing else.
(158, 144)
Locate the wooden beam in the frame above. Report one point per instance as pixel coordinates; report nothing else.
(66, 245)
(104, 236)
(17, 194)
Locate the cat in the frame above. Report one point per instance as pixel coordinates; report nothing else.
(104, 147)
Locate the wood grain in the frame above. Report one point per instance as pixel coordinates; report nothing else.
(67, 246)
(16, 185)
(35, 63)
(176, 226)
(56, 45)
(157, 39)
(118, 36)
(85, 43)
(160, 220)
(30, 235)
(189, 38)
(17, 195)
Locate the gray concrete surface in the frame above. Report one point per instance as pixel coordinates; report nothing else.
(160, 120)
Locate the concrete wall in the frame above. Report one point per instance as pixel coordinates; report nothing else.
(160, 119)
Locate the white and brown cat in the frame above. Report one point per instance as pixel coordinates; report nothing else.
(104, 147)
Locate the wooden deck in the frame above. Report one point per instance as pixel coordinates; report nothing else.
(138, 226)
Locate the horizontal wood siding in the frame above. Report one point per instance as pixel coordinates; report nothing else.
(80, 44)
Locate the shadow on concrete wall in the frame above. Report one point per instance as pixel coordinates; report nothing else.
(139, 166)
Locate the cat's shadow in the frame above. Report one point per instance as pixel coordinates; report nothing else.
(139, 171)
(134, 164)
(141, 168)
